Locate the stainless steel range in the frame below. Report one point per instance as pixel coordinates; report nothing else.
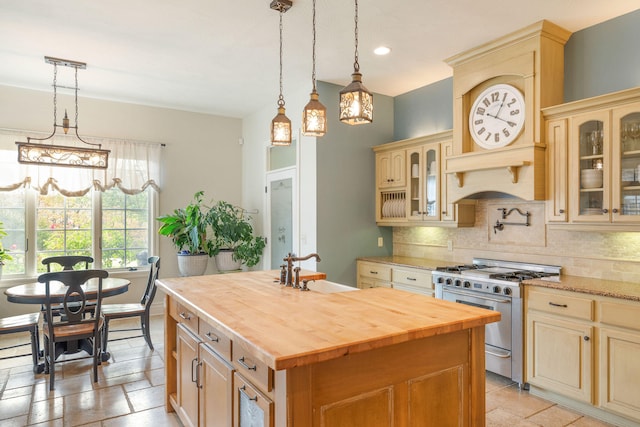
(494, 285)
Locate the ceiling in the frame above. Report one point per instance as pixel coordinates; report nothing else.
(221, 57)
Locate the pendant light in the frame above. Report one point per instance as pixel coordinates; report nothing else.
(60, 155)
(356, 102)
(314, 115)
(281, 125)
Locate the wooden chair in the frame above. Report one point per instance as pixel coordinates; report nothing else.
(72, 326)
(121, 311)
(24, 323)
(68, 262)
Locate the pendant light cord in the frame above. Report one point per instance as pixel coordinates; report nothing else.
(313, 56)
(280, 98)
(55, 96)
(356, 65)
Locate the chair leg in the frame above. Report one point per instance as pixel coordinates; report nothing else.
(52, 363)
(97, 355)
(146, 331)
(35, 348)
(105, 334)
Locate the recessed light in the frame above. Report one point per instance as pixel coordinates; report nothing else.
(382, 50)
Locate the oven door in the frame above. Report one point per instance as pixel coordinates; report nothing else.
(498, 342)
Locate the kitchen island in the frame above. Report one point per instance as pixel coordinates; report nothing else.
(242, 347)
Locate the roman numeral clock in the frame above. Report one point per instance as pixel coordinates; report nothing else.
(499, 91)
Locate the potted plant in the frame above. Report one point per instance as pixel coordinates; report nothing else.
(187, 227)
(233, 241)
(4, 256)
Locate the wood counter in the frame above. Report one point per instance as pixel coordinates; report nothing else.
(350, 356)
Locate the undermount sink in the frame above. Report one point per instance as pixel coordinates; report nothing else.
(327, 287)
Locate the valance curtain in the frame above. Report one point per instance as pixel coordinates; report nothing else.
(133, 166)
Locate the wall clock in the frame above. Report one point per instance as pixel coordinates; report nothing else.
(497, 116)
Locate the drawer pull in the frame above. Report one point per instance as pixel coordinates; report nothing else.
(373, 272)
(586, 338)
(212, 337)
(185, 316)
(558, 305)
(244, 364)
(243, 390)
(194, 377)
(412, 279)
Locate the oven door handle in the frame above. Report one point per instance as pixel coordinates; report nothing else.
(480, 296)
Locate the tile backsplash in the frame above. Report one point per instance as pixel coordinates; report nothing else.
(610, 255)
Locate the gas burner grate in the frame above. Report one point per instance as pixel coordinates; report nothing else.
(459, 268)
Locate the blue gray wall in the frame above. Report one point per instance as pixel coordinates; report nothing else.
(600, 59)
(345, 173)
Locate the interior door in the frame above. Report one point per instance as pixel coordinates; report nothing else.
(281, 240)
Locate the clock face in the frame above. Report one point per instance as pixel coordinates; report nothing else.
(497, 116)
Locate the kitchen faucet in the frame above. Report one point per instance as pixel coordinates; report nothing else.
(290, 259)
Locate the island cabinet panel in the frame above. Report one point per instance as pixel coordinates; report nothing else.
(251, 408)
(419, 383)
(187, 394)
(216, 390)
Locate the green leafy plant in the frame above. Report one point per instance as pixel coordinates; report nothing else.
(4, 256)
(232, 230)
(187, 227)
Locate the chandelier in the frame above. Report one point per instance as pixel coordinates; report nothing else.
(39, 153)
(281, 125)
(356, 102)
(314, 115)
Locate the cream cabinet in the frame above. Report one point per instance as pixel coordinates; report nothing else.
(619, 370)
(593, 153)
(391, 169)
(407, 278)
(421, 198)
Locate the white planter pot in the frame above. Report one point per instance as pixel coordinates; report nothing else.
(225, 261)
(192, 265)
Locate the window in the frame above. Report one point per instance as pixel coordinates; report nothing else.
(113, 227)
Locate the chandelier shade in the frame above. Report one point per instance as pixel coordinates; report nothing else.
(92, 156)
(281, 125)
(356, 102)
(314, 115)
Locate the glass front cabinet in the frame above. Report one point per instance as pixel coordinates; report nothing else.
(424, 188)
(604, 161)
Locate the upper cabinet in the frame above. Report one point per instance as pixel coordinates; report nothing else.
(411, 186)
(594, 158)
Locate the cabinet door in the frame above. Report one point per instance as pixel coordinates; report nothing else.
(251, 407)
(559, 356)
(620, 372)
(390, 169)
(625, 170)
(398, 168)
(557, 185)
(216, 390)
(187, 393)
(590, 167)
(447, 209)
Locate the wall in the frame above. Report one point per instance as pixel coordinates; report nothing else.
(424, 111)
(201, 153)
(597, 61)
(346, 196)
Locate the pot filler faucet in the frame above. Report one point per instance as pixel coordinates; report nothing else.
(287, 269)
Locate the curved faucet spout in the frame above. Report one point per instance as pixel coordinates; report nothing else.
(290, 259)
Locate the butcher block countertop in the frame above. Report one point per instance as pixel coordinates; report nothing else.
(287, 327)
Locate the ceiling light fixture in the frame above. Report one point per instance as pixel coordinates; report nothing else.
(60, 155)
(314, 115)
(281, 125)
(382, 50)
(356, 102)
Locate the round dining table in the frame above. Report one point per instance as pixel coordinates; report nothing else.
(36, 293)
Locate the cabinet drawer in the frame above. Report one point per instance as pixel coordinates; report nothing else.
(412, 277)
(560, 303)
(250, 406)
(185, 316)
(215, 339)
(374, 270)
(245, 361)
(415, 289)
(620, 314)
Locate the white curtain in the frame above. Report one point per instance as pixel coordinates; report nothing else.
(133, 166)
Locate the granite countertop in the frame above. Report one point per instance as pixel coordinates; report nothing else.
(403, 261)
(589, 285)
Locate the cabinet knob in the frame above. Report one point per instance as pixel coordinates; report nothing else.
(615, 211)
(586, 338)
(605, 210)
(561, 211)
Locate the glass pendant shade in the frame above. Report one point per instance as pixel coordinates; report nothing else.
(281, 128)
(356, 102)
(314, 117)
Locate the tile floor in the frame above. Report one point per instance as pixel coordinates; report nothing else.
(130, 392)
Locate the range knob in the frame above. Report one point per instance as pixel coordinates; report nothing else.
(507, 291)
(467, 284)
(449, 281)
(496, 289)
(440, 279)
(458, 282)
